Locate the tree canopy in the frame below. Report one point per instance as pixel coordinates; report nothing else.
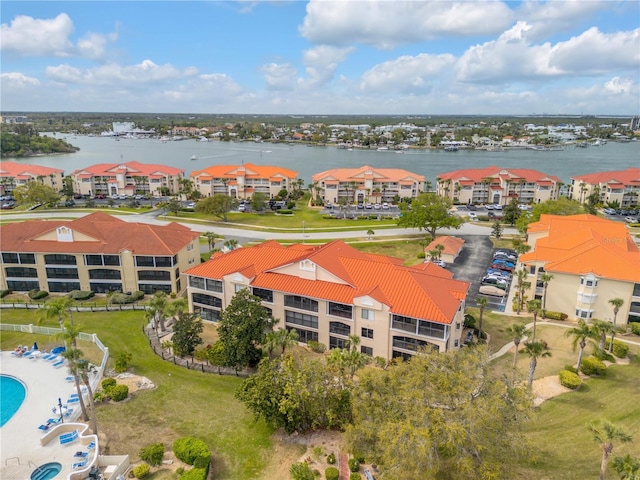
(35, 192)
(30, 143)
(440, 415)
(429, 212)
(186, 333)
(219, 206)
(561, 206)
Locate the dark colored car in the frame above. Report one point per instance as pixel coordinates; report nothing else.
(469, 337)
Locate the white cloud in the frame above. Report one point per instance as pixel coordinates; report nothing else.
(31, 37)
(407, 74)
(18, 80)
(279, 76)
(321, 63)
(387, 24)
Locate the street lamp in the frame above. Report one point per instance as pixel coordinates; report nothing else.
(60, 406)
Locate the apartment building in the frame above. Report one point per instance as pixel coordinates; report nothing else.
(128, 178)
(92, 253)
(242, 181)
(14, 174)
(367, 184)
(592, 261)
(622, 186)
(497, 186)
(326, 293)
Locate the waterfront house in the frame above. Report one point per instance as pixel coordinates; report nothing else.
(622, 186)
(14, 174)
(328, 292)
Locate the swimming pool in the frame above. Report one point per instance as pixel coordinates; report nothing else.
(46, 471)
(13, 394)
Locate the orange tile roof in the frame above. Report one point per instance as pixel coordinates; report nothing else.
(134, 169)
(250, 171)
(580, 244)
(512, 174)
(630, 176)
(419, 292)
(452, 245)
(106, 232)
(13, 169)
(380, 174)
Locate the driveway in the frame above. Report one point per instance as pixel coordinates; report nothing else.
(472, 263)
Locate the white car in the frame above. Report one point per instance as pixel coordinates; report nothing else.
(385, 206)
(191, 205)
(497, 206)
(473, 215)
(376, 206)
(631, 219)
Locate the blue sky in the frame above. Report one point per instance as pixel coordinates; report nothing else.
(322, 57)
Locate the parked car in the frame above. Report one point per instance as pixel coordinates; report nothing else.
(631, 219)
(495, 271)
(505, 256)
(385, 206)
(492, 290)
(497, 206)
(360, 206)
(496, 282)
(503, 267)
(489, 206)
(471, 207)
(609, 211)
(376, 206)
(241, 208)
(191, 205)
(440, 263)
(368, 206)
(473, 215)
(469, 338)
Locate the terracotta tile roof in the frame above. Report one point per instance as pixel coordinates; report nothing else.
(379, 174)
(580, 244)
(101, 233)
(134, 169)
(341, 274)
(630, 176)
(452, 245)
(13, 169)
(511, 174)
(250, 171)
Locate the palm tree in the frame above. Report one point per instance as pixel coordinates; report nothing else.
(535, 350)
(518, 332)
(601, 329)
(482, 303)
(60, 307)
(69, 335)
(211, 239)
(158, 306)
(616, 303)
(177, 308)
(285, 339)
(605, 434)
(627, 467)
(579, 335)
(370, 233)
(546, 278)
(354, 341)
(231, 244)
(534, 307)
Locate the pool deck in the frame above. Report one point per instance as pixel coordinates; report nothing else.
(21, 450)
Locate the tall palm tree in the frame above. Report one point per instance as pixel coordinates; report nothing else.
(579, 335)
(211, 239)
(60, 308)
(605, 434)
(627, 467)
(177, 308)
(69, 335)
(286, 339)
(518, 332)
(601, 329)
(534, 350)
(534, 307)
(482, 303)
(158, 306)
(545, 278)
(616, 303)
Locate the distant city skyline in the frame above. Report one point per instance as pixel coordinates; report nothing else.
(322, 57)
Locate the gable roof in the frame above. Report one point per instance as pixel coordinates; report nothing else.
(133, 169)
(630, 176)
(101, 234)
(419, 292)
(367, 172)
(248, 170)
(511, 174)
(452, 245)
(14, 169)
(580, 244)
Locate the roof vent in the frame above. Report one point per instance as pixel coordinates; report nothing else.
(65, 234)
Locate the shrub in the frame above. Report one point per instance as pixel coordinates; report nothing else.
(355, 476)
(316, 347)
(190, 450)
(180, 470)
(592, 366)
(635, 328)
(555, 315)
(569, 379)
(604, 355)
(331, 458)
(141, 471)
(381, 362)
(107, 383)
(332, 473)
(118, 392)
(120, 298)
(194, 474)
(421, 255)
(152, 454)
(4, 293)
(620, 349)
(354, 464)
(80, 295)
(36, 294)
(122, 362)
(285, 211)
(570, 368)
(359, 456)
(301, 471)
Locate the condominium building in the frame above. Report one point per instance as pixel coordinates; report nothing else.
(14, 174)
(497, 185)
(622, 186)
(367, 184)
(97, 252)
(242, 181)
(128, 178)
(326, 293)
(592, 260)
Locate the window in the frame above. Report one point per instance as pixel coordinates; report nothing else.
(303, 319)
(63, 287)
(340, 328)
(144, 261)
(238, 287)
(207, 314)
(265, 295)
(407, 343)
(431, 329)
(104, 274)
(304, 336)
(24, 272)
(457, 325)
(302, 303)
(22, 285)
(335, 342)
(105, 287)
(62, 273)
(366, 350)
(149, 261)
(367, 333)
(456, 343)
(589, 281)
(196, 282)
(340, 310)
(60, 259)
(154, 275)
(366, 314)
(151, 288)
(404, 323)
(213, 285)
(532, 270)
(587, 298)
(206, 300)
(111, 260)
(27, 258)
(582, 313)
(636, 290)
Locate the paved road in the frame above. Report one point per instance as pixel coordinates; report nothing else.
(472, 263)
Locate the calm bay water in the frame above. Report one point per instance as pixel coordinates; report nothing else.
(310, 160)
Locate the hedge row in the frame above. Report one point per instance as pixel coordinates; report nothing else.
(569, 379)
(36, 294)
(193, 451)
(592, 366)
(80, 295)
(123, 299)
(555, 315)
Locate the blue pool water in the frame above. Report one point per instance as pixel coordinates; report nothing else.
(46, 471)
(13, 393)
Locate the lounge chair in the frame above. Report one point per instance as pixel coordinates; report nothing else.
(80, 454)
(44, 427)
(73, 400)
(78, 465)
(69, 378)
(91, 446)
(54, 358)
(68, 412)
(59, 363)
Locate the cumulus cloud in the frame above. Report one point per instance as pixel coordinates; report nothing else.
(279, 76)
(406, 74)
(387, 24)
(18, 80)
(35, 37)
(321, 63)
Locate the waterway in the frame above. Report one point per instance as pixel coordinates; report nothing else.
(310, 160)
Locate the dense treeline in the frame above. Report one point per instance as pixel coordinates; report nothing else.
(30, 143)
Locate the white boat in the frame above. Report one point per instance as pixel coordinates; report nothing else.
(382, 149)
(194, 157)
